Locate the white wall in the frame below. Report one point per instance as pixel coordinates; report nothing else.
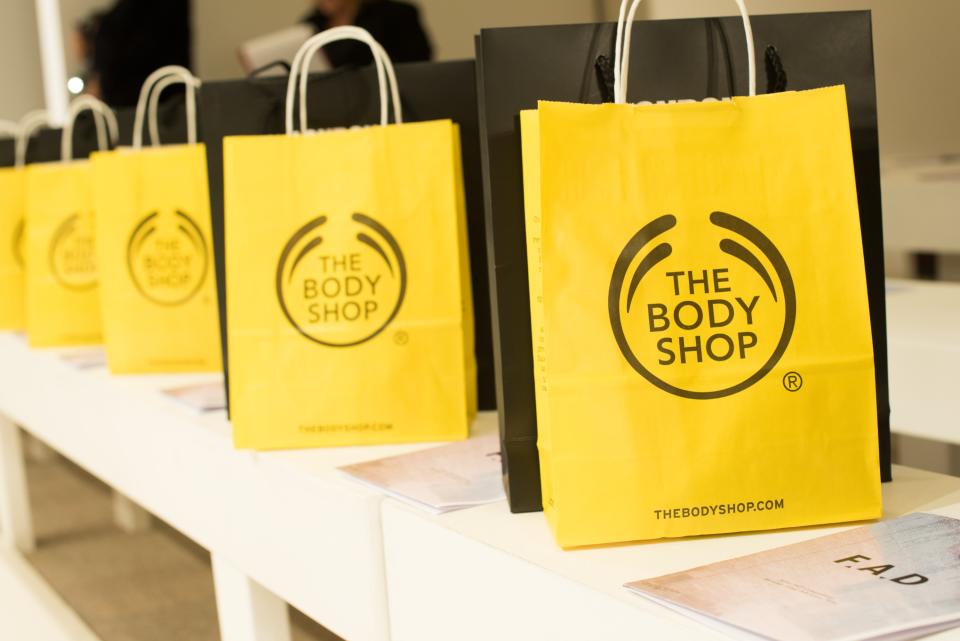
(71, 12)
(453, 23)
(21, 87)
(916, 50)
(915, 46)
(221, 25)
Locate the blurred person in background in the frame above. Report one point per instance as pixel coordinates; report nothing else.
(395, 25)
(124, 44)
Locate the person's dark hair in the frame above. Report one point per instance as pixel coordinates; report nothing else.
(395, 25)
(134, 38)
(88, 27)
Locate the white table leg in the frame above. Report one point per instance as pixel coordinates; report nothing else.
(128, 516)
(247, 611)
(16, 522)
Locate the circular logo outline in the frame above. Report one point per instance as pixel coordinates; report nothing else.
(64, 230)
(318, 222)
(731, 223)
(142, 232)
(19, 235)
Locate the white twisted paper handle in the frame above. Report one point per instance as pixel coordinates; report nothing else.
(108, 131)
(621, 56)
(299, 70)
(149, 101)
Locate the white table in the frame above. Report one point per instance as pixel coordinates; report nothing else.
(486, 574)
(280, 526)
(286, 527)
(923, 338)
(921, 205)
(442, 568)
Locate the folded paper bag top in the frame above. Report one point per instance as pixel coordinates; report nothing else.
(348, 287)
(705, 360)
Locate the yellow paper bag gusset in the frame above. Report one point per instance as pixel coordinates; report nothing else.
(349, 310)
(12, 316)
(157, 292)
(702, 333)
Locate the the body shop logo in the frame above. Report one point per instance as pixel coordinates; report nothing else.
(72, 260)
(702, 310)
(341, 280)
(167, 258)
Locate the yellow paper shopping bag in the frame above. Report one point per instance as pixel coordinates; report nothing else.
(157, 289)
(700, 318)
(63, 306)
(11, 248)
(12, 224)
(349, 315)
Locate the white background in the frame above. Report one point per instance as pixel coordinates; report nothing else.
(916, 47)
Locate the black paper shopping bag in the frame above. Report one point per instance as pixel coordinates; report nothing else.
(670, 60)
(7, 152)
(12, 313)
(345, 98)
(171, 120)
(44, 144)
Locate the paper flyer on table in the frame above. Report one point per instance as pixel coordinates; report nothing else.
(85, 357)
(892, 580)
(440, 479)
(203, 397)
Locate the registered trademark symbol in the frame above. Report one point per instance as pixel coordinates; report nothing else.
(792, 382)
(401, 338)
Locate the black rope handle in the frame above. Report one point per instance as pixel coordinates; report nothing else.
(604, 69)
(776, 74)
(270, 65)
